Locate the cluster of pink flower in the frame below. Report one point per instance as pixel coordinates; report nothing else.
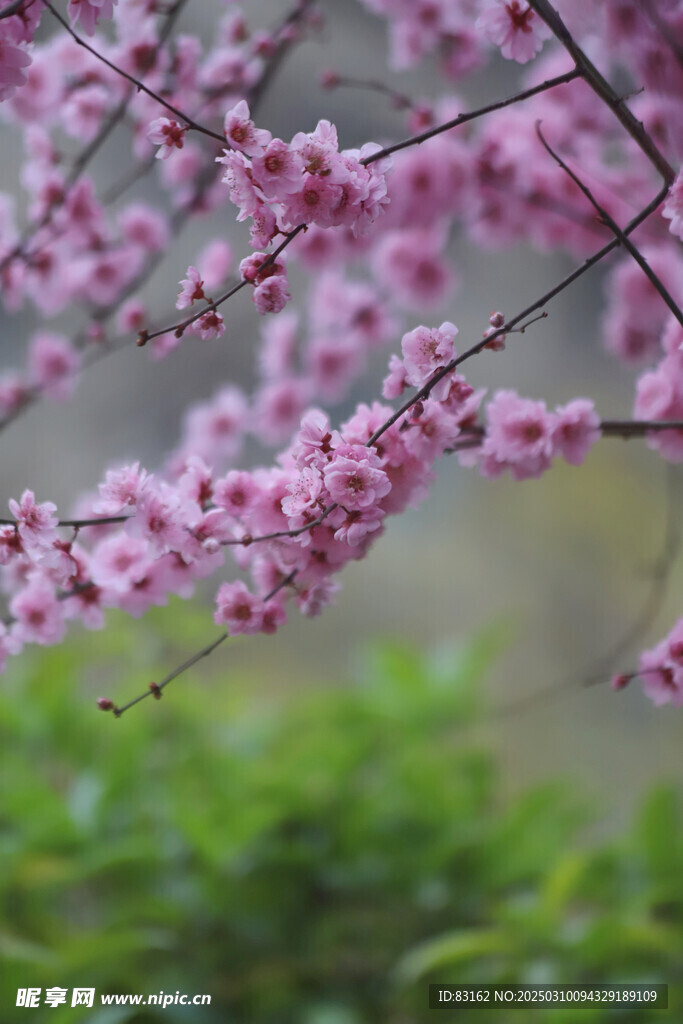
(306, 518)
(280, 185)
(522, 436)
(375, 246)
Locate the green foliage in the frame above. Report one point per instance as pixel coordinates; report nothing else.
(317, 860)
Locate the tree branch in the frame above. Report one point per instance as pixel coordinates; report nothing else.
(415, 140)
(607, 219)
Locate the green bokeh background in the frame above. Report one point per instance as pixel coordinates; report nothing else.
(313, 856)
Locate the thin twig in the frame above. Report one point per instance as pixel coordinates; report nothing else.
(179, 328)
(156, 689)
(607, 219)
(78, 524)
(425, 391)
(415, 140)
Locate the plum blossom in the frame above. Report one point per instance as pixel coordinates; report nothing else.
(192, 289)
(120, 490)
(577, 428)
(36, 522)
(39, 615)
(673, 207)
(88, 12)
(519, 436)
(237, 493)
(167, 135)
(241, 132)
(209, 325)
(661, 669)
(426, 350)
(119, 562)
(53, 365)
(278, 169)
(354, 477)
(237, 609)
(14, 62)
(514, 27)
(272, 295)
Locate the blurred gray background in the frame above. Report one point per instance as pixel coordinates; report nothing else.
(562, 562)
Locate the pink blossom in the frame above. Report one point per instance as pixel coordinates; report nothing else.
(244, 192)
(14, 60)
(305, 498)
(410, 265)
(313, 599)
(159, 518)
(83, 111)
(209, 325)
(278, 345)
(673, 207)
(215, 429)
(14, 391)
(353, 527)
(120, 490)
(278, 169)
(167, 134)
(354, 477)
(53, 365)
(577, 428)
(662, 680)
(39, 615)
(237, 493)
(316, 440)
(192, 289)
(334, 363)
(519, 436)
(396, 381)
(271, 295)
(119, 562)
(214, 262)
(88, 12)
(426, 350)
(35, 522)
(241, 132)
(144, 226)
(514, 27)
(274, 615)
(237, 609)
(278, 406)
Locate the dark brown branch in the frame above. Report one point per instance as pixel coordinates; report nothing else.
(415, 140)
(607, 219)
(78, 524)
